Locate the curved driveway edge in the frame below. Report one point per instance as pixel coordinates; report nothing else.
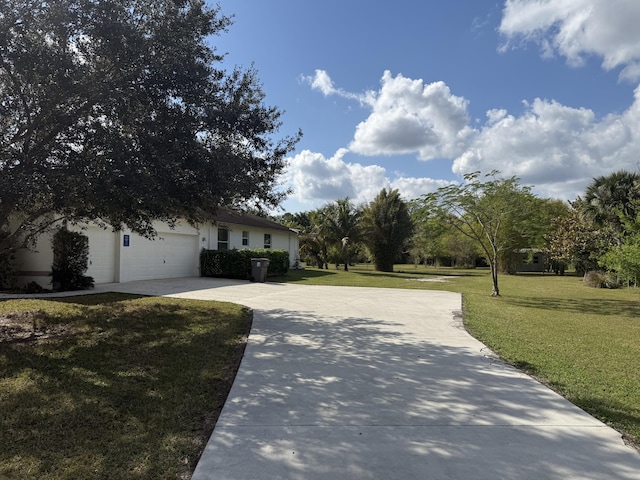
(365, 383)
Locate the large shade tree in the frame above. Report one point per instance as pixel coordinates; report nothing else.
(387, 227)
(118, 111)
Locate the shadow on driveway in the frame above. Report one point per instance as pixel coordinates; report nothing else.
(331, 396)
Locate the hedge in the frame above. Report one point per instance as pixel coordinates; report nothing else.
(237, 263)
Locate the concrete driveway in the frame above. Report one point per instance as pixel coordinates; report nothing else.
(364, 383)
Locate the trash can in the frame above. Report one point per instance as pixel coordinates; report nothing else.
(259, 268)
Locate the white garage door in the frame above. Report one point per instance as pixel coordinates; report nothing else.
(170, 255)
(102, 254)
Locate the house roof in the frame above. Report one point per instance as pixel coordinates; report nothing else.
(226, 215)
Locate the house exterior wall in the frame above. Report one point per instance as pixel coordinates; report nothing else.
(280, 239)
(125, 256)
(35, 265)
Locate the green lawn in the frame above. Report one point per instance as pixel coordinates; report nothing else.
(113, 386)
(583, 342)
(119, 386)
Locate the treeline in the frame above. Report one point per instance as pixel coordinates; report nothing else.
(487, 220)
(342, 232)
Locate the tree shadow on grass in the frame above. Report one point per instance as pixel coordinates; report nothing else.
(611, 412)
(445, 273)
(125, 396)
(294, 276)
(393, 275)
(411, 275)
(608, 411)
(106, 298)
(546, 274)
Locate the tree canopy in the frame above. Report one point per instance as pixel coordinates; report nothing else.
(342, 227)
(610, 198)
(494, 212)
(601, 229)
(492, 217)
(612, 208)
(387, 228)
(118, 111)
(574, 239)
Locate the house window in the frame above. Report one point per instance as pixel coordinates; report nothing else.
(223, 239)
(267, 240)
(245, 238)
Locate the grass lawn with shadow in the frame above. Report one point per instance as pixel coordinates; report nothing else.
(122, 386)
(113, 385)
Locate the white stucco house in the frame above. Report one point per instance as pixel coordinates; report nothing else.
(125, 256)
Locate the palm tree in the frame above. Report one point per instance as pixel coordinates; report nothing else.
(313, 238)
(342, 226)
(388, 226)
(609, 197)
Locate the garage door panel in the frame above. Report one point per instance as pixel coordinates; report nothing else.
(169, 255)
(102, 254)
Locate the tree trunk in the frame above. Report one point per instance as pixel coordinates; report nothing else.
(345, 256)
(494, 277)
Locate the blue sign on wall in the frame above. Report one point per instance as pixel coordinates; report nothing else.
(125, 240)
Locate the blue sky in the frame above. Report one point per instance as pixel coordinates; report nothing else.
(414, 94)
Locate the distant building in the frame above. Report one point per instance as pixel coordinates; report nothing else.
(531, 260)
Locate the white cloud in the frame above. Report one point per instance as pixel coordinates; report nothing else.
(578, 28)
(411, 188)
(314, 177)
(322, 81)
(316, 180)
(407, 116)
(558, 149)
(410, 116)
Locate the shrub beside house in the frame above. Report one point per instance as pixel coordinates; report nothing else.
(238, 263)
